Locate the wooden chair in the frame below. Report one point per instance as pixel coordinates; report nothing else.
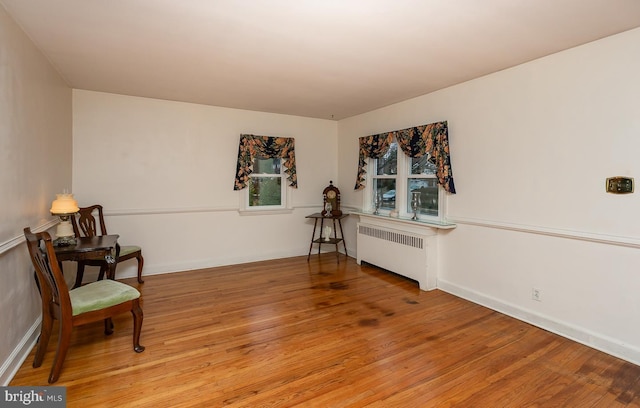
(86, 226)
(89, 303)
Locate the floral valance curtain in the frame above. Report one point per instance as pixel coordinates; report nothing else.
(374, 146)
(432, 140)
(264, 147)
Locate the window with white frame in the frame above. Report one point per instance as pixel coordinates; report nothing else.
(385, 178)
(397, 177)
(409, 170)
(266, 185)
(267, 166)
(421, 180)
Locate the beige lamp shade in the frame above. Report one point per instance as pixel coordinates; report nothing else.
(64, 204)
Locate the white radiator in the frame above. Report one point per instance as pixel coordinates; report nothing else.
(403, 252)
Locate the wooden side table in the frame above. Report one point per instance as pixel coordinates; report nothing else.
(91, 247)
(332, 241)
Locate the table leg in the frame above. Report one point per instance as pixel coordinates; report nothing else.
(112, 262)
(335, 238)
(313, 236)
(342, 235)
(321, 228)
(111, 266)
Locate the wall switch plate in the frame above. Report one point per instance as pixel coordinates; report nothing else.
(619, 185)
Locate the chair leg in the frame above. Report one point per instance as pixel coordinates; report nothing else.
(43, 340)
(140, 264)
(108, 326)
(79, 275)
(64, 339)
(136, 310)
(103, 270)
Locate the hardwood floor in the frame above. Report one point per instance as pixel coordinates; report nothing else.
(290, 333)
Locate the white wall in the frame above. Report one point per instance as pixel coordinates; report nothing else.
(531, 149)
(35, 164)
(164, 171)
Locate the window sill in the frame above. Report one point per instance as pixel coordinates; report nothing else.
(266, 212)
(406, 220)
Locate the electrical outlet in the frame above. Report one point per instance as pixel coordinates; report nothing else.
(536, 294)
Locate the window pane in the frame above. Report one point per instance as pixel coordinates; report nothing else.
(386, 189)
(422, 166)
(388, 164)
(266, 166)
(265, 191)
(428, 189)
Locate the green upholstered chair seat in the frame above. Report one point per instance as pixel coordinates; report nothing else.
(100, 295)
(129, 249)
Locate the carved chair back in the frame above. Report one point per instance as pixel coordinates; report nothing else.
(86, 225)
(53, 288)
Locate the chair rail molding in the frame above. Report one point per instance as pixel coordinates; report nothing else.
(185, 210)
(633, 242)
(15, 241)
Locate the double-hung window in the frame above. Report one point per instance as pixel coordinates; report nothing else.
(266, 184)
(422, 179)
(396, 177)
(267, 166)
(409, 171)
(385, 178)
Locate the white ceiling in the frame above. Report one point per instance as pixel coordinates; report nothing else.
(316, 58)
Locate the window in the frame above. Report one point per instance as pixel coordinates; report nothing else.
(401, 168)
(397, 177)
(422, 179)
(265, 184)
(266, 165)
(384, 178)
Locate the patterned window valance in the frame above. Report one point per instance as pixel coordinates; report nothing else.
(264, 147)
(432, 139)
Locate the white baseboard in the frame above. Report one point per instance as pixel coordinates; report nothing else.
(581, 335)
(129, 268)
(12, 364)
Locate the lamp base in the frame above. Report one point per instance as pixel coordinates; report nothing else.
(64, 241)
(64, 233)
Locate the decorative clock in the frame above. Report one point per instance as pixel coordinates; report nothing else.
(331, 196)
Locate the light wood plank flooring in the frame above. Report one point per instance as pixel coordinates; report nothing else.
(287, 333)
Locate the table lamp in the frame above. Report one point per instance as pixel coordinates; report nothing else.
(63, 206)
